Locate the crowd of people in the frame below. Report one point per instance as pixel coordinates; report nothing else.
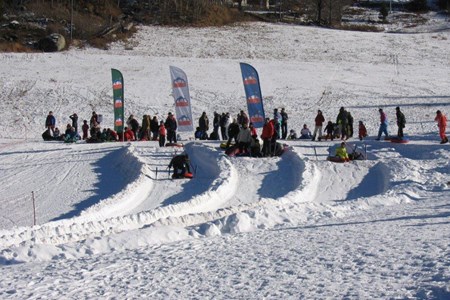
(234, 130)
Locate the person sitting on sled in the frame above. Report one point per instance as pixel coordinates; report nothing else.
(180, 164)
(341, 152)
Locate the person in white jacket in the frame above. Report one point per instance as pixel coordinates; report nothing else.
(244, 139)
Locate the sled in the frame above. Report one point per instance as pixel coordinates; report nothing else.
(224, 145)
(399, 140)
(336, 159)
(186, 175)
(174, 145)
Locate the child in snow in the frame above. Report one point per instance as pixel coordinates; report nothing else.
(292, 135)
(85, 129)
(341, 152)
(162, 134)
(329, 130)
(362, 132)
(441, 119)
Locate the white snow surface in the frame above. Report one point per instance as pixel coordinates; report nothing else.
(112, 225)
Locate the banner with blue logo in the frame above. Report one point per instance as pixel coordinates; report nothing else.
(253, 95)
(118, 92)
(180, 92)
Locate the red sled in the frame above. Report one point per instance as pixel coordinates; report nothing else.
(399, 140)
(185, 175)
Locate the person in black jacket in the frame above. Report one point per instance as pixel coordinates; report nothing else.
(171, 126)
(154, 128)
(180, 164)
(134, 124)
(74, 119)
(233, 131)
(401, 121)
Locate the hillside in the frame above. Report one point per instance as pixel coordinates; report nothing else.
(111, 224)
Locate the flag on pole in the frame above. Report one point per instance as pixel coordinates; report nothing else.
(180, 93)
(253, 95)
(118, 88)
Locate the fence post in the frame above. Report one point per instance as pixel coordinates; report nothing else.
(34, 208)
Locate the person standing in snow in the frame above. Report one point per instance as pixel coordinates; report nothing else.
(134, 125)
(401, 121)
(362, 131)
(233, 131)
(277, 123)
(171, 127)
(224, 123)
(162, 134)
(383, 125)
(145, 128)
(244, 139)
(253, 130)
(441, 120)
(85, 129)
(50, 122)
(74, 118)
(154, 127)
(267, 133)
(242, 118)
(342, 122)
(284, 119)
(329, 130)
(318, 125)
(216, 125)
(94, 120)
(203, 123)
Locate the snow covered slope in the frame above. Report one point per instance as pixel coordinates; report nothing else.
(111, 224)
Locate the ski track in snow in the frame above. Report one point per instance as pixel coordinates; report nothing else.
(211, 203)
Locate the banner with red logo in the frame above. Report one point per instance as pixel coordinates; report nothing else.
(253, 95)
(180, 92)
(117, 84)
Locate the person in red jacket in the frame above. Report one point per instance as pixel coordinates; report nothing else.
(253, 130)
(162, 134)
(441, 120)
(318, 125)
(362, 131)
(267, 133)
(128, 134)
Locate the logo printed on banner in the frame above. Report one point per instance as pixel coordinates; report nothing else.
(181, 101)
(253, 95)
(118, 99)
(180, 93)
(118, 103)
(256, 118)
(179, 83)
(250, 80)
(117, 85)
(253, 99)
(184, 121)
(118, 122)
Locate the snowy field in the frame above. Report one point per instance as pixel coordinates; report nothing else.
(112, 225)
